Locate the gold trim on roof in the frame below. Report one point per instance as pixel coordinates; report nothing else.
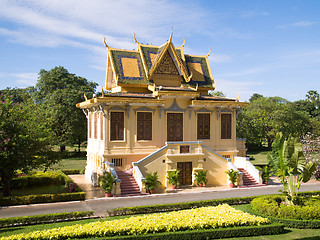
(209, 52)
(104, 41)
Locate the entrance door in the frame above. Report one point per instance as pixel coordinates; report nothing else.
(174, 127)
(185, 175)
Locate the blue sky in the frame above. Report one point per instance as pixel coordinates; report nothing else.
(270, 47)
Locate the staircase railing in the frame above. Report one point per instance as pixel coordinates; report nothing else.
(139, 177)
(242, 162)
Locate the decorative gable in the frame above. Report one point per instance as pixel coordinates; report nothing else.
(157, 65)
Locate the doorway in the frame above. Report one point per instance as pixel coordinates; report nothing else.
(185, 174)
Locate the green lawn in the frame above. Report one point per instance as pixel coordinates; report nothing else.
(71, 163)
(259, 157)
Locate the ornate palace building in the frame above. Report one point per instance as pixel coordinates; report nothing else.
(159, 117)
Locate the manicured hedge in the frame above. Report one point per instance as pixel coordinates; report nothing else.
(43, 218)
(40, 179)
(41, 198)
(268, 206)
(71, 171)
(271, 229)
(177, 206)
(272, 206)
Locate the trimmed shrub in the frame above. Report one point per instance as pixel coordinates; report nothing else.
(41, 198)
(71, 171)
(40, 179)
(271, 229)
(273, 206)
(43, 218)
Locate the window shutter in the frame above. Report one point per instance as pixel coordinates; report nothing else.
(117, 126)
(144, 126)
(203, 126)
(226, 126)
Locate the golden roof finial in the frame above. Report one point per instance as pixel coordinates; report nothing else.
(104, 40)
(134, 37)
(189, 78)
(85, 96)
(237, 99)
(209, 52)
(102, 92)
(184, 41)
(171, 35)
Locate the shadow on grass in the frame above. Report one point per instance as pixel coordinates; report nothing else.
(3, 230)
(309, 238)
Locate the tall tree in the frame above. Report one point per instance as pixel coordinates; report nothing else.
(24, 139)
(264, 117)
(59, 91)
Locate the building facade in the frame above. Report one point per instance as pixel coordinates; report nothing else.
(158, 116)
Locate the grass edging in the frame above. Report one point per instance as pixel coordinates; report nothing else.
(176, 206)
(270, 229)
(44, 218)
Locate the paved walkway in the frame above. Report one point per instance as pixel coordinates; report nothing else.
(100, 205)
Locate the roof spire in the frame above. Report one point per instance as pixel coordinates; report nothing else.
(209, 52)
(134, 37)
(184, 41)
(104, 40)
(170, 39)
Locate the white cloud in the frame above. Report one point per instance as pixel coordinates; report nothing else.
(21, 79)
(219, 58)
(303, 24)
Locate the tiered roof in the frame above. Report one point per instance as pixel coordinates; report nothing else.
(139, 68)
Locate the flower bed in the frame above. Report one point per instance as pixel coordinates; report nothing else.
(194, 219)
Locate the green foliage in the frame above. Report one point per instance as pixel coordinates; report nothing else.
(173, 177)
(43, 218)
(201, 177)
(233, 175)
(151, 181)
(58, 92)
(217, 93)
(71, 171)
(24, 139)
(106, 181)
(266, 173)
(264, 117)
(41, 198)
(289, 164)
(308, 208)
(40, 179)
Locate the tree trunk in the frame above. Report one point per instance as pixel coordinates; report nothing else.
(6, 186)
(62, 148)
(269, 140)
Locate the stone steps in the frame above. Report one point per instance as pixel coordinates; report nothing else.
(129, 186)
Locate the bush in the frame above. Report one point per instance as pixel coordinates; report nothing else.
(40, 179)
(44, 218)
(41, 198)
(71, 171)
(273, 206)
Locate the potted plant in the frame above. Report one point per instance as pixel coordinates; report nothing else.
(266, 173)
(173, 178)
(106, 183)
(233, 177)
(151, 182)
(201, 178)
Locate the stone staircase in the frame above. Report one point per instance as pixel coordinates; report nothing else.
(129, 186)
(248, 180)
